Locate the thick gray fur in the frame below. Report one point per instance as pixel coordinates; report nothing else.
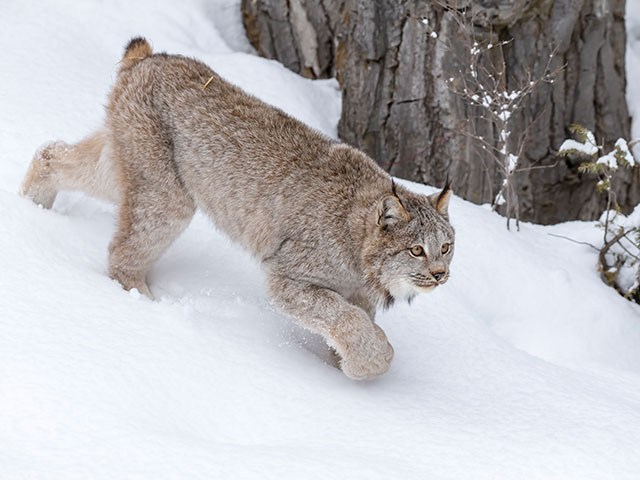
(335, 237)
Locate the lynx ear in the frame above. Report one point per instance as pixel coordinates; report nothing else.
(440, 201)
(391, 211)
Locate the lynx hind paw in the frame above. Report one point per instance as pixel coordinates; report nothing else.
(369, 358)
(38, 184)
(131, 281)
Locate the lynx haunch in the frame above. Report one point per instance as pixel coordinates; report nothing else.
(335, 236)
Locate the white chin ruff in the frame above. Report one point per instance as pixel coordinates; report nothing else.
(404, 290)
(425, 289)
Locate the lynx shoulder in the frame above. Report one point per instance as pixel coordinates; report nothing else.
(335, 236)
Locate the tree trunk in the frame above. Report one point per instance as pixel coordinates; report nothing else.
(394, 60)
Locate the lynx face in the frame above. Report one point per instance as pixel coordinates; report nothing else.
(414, 243)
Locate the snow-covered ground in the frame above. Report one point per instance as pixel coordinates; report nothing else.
(523, 366)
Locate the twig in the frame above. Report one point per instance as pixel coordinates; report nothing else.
(208, 82)
(625, 249)
(604, 266)
(575, 241)
(128, 58)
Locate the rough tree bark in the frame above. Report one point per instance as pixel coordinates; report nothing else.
(398, 107)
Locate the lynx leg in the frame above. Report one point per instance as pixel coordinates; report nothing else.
(85, 166)
(155, 207)
(149, 221)
(38, 183)
(363, 347)
(361, 299)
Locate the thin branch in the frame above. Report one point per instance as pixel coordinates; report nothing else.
(626, 250)
(575, 241)
(602, 260)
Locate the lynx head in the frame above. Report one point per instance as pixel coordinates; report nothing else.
(411, 246)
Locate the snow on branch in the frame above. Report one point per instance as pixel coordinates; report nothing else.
(619, 257)
(496, 104)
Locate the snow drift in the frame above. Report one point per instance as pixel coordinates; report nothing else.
(524, 365)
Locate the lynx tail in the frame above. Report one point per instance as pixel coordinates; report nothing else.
(137, 49)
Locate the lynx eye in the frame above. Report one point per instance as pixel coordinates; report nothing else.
(417, 251)
(445, 248)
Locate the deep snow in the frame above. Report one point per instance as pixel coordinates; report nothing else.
(524, 365)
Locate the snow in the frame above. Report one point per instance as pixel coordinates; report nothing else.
(512, 95)
(609, 160)
(623, 147)
(588, 148)
(504, 115)
(513, 162)
(621, 150)
(524, 365)
(628, 276)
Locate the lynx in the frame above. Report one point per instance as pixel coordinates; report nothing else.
(335, 236)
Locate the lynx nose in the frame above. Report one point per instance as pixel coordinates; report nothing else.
(438, 275)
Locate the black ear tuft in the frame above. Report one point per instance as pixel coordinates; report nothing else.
(447, 184)
(394, 192)
(440, 201)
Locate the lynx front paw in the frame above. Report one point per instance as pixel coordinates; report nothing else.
(367, 357)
